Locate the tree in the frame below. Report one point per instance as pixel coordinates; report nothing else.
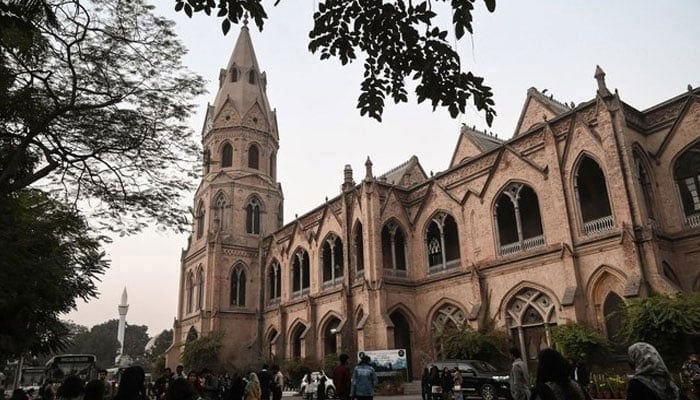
(102, 341)
(579, 341)
(94, 102)
(666, 322)
(400, 40)
(203, 352)
(463, 342)
(49, 260)
(156, 354)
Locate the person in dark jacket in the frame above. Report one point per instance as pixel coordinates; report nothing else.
(341, 378)
(580, 373)
(435, 384)
(425, 384)
(132, 385)
(446, 382)
(651, 379)
(553, 381)
(265, 378)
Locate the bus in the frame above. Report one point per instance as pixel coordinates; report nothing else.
(82, 365)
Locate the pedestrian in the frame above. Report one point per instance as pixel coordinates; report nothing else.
(435, 387)
(321, 388)
(132, 385)
(180, 372)
(180, 389)
(579, 372)
(519, 377)
(210, 385)
(425, 384)
(238, 385)
(252, 388)
(102, 377)
(446, 382)
(363, 380)
(691, 369)
(342, 378)
(553, 381)
(195, 384)
(162, 382)
(651, 379)
(265, 378)
(94, 390)
(71, 388)
(277, 383)
(457, 381)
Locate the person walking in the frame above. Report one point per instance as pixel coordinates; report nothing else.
(277, 382)
(457, 382)
(180, 389)
(265, 378)
(519, 378)
(210, 385)
(252, 388)
(132, 385)
(71, 388)
(342, 378)
(553, 381)
(425, 384)
(446, 382)
(95, 390)
(435, 386)
(651, 379)
(363, 380)
(580, 373)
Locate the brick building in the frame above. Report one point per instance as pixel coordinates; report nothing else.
(585, 207)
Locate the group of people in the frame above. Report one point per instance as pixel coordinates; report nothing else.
(442, 385)
(558, 379)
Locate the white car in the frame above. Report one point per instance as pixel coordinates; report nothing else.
(309, 385)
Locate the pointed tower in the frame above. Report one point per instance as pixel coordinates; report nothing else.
(238, 203)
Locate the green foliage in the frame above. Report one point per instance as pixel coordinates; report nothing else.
(203, 352)
(94, 103)
(296, 368)
(465, 343)
(101, 340)
(579, 341)
(398, 40)
(663, 321)
(156, 354)
(329, 362)
(49, 261)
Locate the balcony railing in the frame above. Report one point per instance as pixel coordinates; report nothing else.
(527, 244)
(598, 225)
(332, 282)
(693, 221)
(432, 269)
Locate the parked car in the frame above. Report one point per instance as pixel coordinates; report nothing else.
(309, 385)
(480, 378)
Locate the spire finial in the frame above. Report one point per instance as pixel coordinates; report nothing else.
(600, 78)
(368, 169)
(245, 20)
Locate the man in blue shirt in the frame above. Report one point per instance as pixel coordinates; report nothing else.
(363, 380)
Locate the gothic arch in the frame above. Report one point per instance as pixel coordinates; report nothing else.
(300, 268)
(254, 154)
(201, 279)
(446, 313)
(331, 259)
(273, 275)
(592, 194)
(442, 245)
(685, 169)
(238, 284)
(199, 219)
(219, 206)
(253, 218)
(403, 325)
(357, 247)
(192, 334)
(297, 339)
(517, 218)
(189, 292)
(271, 337)
(406, 311)
(529, 312)
(328, 329)
(602, 281)
(394, 242)
(226, 152)
(502, 307)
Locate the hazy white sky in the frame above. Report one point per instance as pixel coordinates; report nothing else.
(649, 49)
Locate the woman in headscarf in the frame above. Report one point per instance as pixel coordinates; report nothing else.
(651, 379)
(252, 388)
(553, 382)
(132, 384)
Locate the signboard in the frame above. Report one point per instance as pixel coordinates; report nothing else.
(386, 362)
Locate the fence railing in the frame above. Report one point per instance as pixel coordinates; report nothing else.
(525, 245)
(598, 225)
(693, 221)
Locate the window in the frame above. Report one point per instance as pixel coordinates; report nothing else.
(612, 309)
(252, 220)
(227, 156)
(518, 219)
(593, 200)
(199, 219)
(190, 292)
(251, 77)
(298, 335)
(300, 273)
(273, 166)
(280, 215)
(359, 250)
(644, 185)
(234, 74)
(238, 286)
(200, 289)
(529, 314)
(686, 172)
(332, 260)
(206, 160)
(274, 281)
(394, 249)
(442, 242)
(220, 211)
(253, 155)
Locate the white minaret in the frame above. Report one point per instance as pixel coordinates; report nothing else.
(123, 309)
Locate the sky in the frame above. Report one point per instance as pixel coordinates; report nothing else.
(648, 49)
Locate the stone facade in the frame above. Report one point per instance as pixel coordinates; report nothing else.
(587, 206)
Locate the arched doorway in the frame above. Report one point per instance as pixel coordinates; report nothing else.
(298, 341)
(402, 336)
(329, 336)
(529, 314)
(612, 308)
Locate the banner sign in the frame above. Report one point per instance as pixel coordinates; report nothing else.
(386, 362)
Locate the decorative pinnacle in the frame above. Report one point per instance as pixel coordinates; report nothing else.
(600, 78)
(124, 298)
(245, 20)
(368, 169)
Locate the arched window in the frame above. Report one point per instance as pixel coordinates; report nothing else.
(238, 286)
(271, 340)
(359, 250)
(200, 289)
(220, 211)
(442, 241)
(394, 249)
(332, 260)
(644, 185)
(330, 336)
(612, 308)
(199, 219)
(518, 219)
(251, 77)
(191, 335)
(234, 74)
(686, 172)
(298, 335)
(206, 161)
(273, 166)
(227, 156)
(252, 219)
(448, 319)
(280, 215)
(300, 273)
(529, 314)
(189, 291)
(274, 280)
(593, 200)
(253, 156)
